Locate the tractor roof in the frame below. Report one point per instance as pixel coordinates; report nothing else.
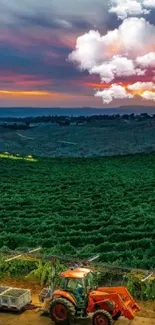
(76, 273)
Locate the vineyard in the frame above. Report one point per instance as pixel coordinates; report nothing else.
(39, 272)
(81, 207)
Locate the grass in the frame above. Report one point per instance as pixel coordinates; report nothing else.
(16, 157)
(81, 206)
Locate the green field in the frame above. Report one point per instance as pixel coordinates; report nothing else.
(81, 206)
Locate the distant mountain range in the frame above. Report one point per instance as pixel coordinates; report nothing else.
(83, 111)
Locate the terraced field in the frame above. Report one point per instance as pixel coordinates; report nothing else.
(81, 206)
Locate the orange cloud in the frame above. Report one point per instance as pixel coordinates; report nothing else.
(102, 85)
(24, 93)
(37, 93)
(140, 92)
(34, 93)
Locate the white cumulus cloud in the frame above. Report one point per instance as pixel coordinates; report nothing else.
(139, 86)
(115, 54)
(148, 95)
(114, 92)
(149, 3)
(125, 8)
(147, 60)
(93, 49)
(124, 52)
(117, 67)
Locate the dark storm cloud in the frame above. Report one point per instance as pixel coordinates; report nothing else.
(151, 17)
(81, 23)
(46, 20)
(16, 60)
(38, 19)
(41, 19)
(60, 14)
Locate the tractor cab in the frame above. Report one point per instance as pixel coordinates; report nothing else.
(74, 289)
(77, 282)
(72, 285)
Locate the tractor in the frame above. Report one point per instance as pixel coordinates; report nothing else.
(77, 297)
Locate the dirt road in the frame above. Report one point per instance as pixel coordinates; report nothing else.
(34, 317)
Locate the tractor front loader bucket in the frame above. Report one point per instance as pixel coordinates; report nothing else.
(124, 301)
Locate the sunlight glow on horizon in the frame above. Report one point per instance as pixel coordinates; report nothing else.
(103, 86)
(26, 93)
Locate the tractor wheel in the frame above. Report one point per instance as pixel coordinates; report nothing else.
(102, 317)
(62, 311)
(117, 316)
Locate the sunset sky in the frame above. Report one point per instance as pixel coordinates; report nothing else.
(35, 40)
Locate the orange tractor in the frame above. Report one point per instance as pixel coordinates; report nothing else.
(77, 297)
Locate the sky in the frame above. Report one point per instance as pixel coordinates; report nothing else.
(77, 53)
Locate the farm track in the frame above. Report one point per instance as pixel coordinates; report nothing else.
(31, 317)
